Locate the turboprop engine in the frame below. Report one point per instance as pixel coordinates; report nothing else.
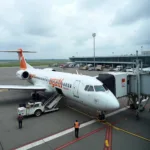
(23, 74)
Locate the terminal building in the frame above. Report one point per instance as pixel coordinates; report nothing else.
(125, 60)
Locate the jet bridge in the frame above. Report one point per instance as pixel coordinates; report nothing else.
(116, 82)
(126, 84)
(123, 84)
(144, 84)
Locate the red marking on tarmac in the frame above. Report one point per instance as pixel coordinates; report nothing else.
(80, 138)
(108, 138)
(147, 105)
(89, 134)
(43, 137)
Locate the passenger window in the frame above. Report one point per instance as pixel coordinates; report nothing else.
(91, 88)
(86, 88)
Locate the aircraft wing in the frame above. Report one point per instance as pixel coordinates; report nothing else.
(21, 87)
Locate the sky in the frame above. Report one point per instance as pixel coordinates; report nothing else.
(63, 28)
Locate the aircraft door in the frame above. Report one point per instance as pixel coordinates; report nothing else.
(75, 88)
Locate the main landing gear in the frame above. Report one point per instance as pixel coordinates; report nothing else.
(138, 106)
(35, 96)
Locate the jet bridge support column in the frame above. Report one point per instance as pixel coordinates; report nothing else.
(132, 102)
(136, 88)
(138, 85)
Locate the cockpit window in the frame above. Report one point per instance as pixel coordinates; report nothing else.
(86, 88)
(91, 88)
(105, 87)
(99, 88)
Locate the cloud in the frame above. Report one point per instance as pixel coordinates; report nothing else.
(141, 35)
(61, 29)
(91, 5)
(132, 12)
(36, 17)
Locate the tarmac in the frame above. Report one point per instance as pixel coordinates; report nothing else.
(126, 133)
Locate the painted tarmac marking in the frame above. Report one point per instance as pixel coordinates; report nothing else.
(1, 146)
(85, 136)
(52, 137)
(106, 144)
(42, 141)
(107, 115)
(133, 134)
(115, 127)
(108, 138)
(80, 138)
(3, 90)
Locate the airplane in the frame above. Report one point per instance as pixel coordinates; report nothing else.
(83, 89)
(145, 70)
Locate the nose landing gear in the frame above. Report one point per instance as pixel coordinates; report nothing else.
(101, 115)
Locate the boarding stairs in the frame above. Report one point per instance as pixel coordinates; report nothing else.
(52, 102)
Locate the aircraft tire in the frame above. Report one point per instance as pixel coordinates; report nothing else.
(38, 113)
(137, 115)
(142, 109)
(131, 106)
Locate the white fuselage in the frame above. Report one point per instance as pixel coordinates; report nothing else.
(73, 87)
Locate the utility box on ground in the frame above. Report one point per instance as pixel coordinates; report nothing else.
(116, 82)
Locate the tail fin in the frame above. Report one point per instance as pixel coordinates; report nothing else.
(23, 63)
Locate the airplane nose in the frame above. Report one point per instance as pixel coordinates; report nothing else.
(113, 104)
(107, 101)
(117, 105)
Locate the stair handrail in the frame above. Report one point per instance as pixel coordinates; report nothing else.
(50, 99)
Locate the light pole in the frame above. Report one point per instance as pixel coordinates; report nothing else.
(77, 54)
(94, 35)
(138, 83)
(141, 49)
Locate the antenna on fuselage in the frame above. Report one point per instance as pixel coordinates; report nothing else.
(77, 72)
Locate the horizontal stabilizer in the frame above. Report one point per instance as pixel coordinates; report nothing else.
(14, 51)
(23, 64)
(21, 87)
